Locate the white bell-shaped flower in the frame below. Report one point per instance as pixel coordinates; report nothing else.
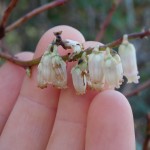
(96, 86)
(79, 73)
(47, 68)
(79, 80)
(44, 73)
(41, 81)
(59, 72)
(119, 70)
(52, 69)
(96, 68)
(127, 53)
(112, 76)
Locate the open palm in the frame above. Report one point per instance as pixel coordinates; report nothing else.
(52, 119)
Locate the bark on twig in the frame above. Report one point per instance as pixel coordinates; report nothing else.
(130, 37)
(66, 58)
(7, 12)
(33, 13)
(15, 60)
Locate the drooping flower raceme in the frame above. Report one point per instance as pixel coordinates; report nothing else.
(127, 53)
(52, 69)
(112, 70)
(96, 69)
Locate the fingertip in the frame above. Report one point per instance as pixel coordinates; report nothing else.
(112, 98)
(110, 102)
(110, 122)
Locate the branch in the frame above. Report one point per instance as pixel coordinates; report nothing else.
(139, 89)
(33, 13)
(147, 138)
(5, 17)
(67, 58)
(7, 12)
(15, 60)
(130, 37)
(107, 20)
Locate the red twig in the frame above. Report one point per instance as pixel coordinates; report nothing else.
(139, 89)
(33, 13)
(7, 12)
(130, 37)
(107, 20)
(19, 62)
(5, 17)
(146, 145)
(66, 57)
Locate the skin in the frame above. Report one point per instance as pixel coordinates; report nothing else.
(52, 119)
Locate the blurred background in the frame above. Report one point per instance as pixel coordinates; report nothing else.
(88, 16)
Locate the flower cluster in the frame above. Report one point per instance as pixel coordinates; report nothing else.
(52, 69)
(95, 70)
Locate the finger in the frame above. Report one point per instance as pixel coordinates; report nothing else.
(70, 123)
(30, 123)
(110, 123)
(11, 77)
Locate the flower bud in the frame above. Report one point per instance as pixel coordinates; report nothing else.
(70, 43)
(76, 46)
(127, 53)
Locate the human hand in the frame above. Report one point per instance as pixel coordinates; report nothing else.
(49, 119)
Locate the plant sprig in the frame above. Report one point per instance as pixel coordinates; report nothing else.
(61, 42)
